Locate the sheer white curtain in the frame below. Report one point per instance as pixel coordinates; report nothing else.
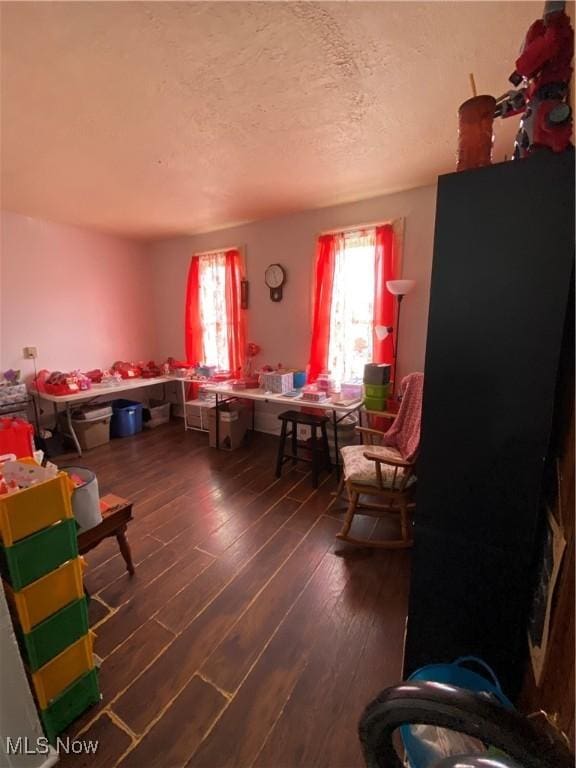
(352, 313)
(212, 279)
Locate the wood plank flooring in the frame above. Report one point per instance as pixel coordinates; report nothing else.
(249, 636)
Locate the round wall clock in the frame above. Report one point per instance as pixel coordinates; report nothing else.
(275, 277)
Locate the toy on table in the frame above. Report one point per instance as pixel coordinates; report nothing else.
(251, 351)
(39, 381)
(313, 394)
(111, 378)
(221, 376)
(205, 371)
(127, 370)
(95, 375)
(149, 370)
(16, 475)
(325, 383)
(59, 383)
(252, 382)
(10, 377)
(83, 381)
(177, 368)
(542, 77)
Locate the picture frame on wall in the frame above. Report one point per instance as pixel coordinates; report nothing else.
(244, 292)
(553, 546)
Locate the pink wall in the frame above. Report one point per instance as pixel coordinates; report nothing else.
(83, 298)
(283, 329)
(86, 299)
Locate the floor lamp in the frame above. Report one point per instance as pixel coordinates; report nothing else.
(398, 288)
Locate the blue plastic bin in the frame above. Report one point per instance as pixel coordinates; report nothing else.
(126, 418)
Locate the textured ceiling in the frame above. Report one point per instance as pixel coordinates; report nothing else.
(150, 119)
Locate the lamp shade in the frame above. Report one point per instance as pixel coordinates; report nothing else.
(400, 287)
(382, 331)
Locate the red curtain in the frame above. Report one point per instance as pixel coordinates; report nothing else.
(192, 323)
(322, 305)
(236, 320)
(236, 328)
(383, 351)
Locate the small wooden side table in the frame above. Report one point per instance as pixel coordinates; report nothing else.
(116, 514)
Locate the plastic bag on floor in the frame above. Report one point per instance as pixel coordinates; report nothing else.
(437, 743)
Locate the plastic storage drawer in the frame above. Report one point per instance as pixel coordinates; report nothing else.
(70, 704)
(381, 391)
(54, 634)
(126, 418)
(32, 509)
(61, 671)
(375, 403)
(377, 373)
(36, 555)
(47, 595)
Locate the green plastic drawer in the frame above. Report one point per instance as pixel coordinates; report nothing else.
(71, 703)
(375, 403)
(54, 634)
(33, 557)
(377, 391)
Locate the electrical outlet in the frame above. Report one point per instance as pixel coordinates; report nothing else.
(30, 353)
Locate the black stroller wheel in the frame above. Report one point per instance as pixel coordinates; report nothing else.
(476, 715)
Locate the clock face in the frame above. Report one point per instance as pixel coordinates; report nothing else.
(274, 276)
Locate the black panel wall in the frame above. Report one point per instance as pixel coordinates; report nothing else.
(503, 255)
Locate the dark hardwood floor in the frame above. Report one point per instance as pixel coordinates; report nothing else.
(249, 636)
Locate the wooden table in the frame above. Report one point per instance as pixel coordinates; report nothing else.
(116, 514)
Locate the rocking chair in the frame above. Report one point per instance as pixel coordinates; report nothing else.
(384, 467)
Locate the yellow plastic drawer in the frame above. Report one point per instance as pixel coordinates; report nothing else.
(47, 595)
(31, 509)
(61, 671)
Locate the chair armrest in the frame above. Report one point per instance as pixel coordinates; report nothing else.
(385, 414)
(369, 431)
(388, 460)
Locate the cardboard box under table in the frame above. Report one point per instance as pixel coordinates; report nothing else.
(234, 422)
(92, 426)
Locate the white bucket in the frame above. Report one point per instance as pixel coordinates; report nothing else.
(85, 498)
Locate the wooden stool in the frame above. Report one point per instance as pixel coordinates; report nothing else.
(320, 449)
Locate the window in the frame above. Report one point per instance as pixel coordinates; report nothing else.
(214, 320)
(352, 312)
(350, 300)
(212, 280)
